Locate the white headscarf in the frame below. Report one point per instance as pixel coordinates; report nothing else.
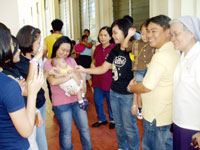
(192, 23)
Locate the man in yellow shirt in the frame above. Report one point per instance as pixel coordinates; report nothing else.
(157, 87)
(50, 40)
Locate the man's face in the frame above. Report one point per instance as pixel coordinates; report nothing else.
(157, 35)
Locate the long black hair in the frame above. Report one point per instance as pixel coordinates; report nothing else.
(5, 44)
(59, 41)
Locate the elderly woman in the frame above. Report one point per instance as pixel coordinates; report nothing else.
(185, 35)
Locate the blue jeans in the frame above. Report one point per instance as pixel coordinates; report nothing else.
(156, 138)
(65, 115)
(139, 75)
(40, 131)
(125, 122)
(99, 96)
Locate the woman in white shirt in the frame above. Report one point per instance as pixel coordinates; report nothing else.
(185, 35)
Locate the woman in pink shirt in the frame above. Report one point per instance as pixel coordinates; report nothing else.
(66, 108)
(102, 83)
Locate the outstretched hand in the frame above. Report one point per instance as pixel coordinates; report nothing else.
(80, 69)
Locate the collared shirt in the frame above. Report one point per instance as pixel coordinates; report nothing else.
(102, 81)
(186, 105)
(142, 52)
(157, 104)
(50, 40)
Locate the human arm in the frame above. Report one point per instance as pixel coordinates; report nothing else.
(38, 118)
(92, 65)
(197, 138)
(24, 119)
(135, 87)
(87, 44)
(131, 32)
(97, 70)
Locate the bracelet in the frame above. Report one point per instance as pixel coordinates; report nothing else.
(134, 105)
(37, 110)
(128, 89)
(34, 61)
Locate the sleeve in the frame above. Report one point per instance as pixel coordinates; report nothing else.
(13, 100)
(154, 72)
(47, 65)
(110, 57)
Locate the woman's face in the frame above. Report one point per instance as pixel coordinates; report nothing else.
(117, 35)
(180, 37)
(63, 51)
(104, 37)
(36, 45)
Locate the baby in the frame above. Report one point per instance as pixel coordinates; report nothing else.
(75, 83)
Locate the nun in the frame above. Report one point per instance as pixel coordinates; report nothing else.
(185, 35)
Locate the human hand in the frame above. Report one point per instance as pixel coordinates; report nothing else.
(22, 84)
(196, 138)
(39, 120)
(131, 83)
(80, 69)
(131, 32)
(36, 82)
(39, 54)
(134, 109)
(72, 93)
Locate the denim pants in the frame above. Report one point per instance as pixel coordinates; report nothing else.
(65, 115)
(156, 138)
(139, 75)
(40, 131)
(99, 96)
(125, 122)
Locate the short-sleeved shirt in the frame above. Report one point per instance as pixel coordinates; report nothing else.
(186, 102)
(23, 67)
(121, 70)
(58, 95)
(143, 53)
(102, 81)
(50, 40)
(11, 100)
(157, 104)
(87, 51)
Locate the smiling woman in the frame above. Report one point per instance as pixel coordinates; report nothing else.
(185, 35)
(66, 108)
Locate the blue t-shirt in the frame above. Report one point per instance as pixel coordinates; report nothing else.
(11, 100)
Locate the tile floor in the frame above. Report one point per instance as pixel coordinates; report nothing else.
(102, 137)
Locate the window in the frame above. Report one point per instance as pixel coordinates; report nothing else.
(87, 16)
(138, 9)
(65, 17)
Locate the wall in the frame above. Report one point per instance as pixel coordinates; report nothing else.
(175, 8)
(9, 15)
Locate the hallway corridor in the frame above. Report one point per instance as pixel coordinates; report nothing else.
(102, 137)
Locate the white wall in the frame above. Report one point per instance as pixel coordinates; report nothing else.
(9, 15)
(175, 8)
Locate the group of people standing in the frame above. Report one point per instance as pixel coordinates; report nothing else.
(125, 71)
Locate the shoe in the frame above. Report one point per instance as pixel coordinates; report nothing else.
(83, 106)
(86, 101)
(111, 125)
(99, 123)
(139, 115)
